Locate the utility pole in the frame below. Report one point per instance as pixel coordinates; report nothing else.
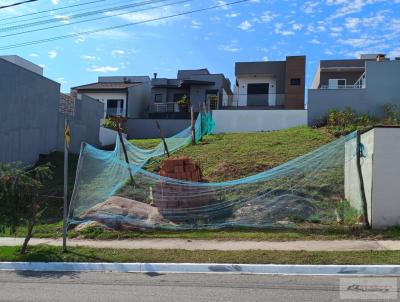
(67, 139)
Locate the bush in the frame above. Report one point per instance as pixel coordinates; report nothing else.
(111, 124)
(391, 114)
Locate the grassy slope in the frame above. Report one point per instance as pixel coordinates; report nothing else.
(83, 254)
(229, 156)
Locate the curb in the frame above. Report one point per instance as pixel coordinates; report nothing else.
(269, 269)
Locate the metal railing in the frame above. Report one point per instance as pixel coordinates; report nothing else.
(355, 86)
(255, 100)
(168, 107)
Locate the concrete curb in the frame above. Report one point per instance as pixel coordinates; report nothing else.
(339, 270)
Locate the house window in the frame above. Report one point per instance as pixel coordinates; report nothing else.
(115, 107)
(337, 83)
(295, 82)
(158, 98)
(262, 88)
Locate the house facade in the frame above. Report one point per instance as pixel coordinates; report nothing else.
(121, 96)
(365, 85)
(270, 84)
(197, 86)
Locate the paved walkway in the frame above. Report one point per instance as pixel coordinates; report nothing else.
(334, 245)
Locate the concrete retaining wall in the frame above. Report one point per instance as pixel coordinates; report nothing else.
(147, 128)
(227, 121)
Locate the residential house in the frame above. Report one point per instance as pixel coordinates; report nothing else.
(122, 96)
(29, 111)
(363, 84)
(270, 84)
(199, 86)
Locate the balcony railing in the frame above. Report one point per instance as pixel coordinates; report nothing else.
(167, 107)
(355, 86)
(271, 100)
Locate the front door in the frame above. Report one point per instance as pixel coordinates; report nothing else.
(257, 94)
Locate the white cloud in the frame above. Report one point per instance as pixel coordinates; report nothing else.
(88, 58)
(231, 47)
(315, 41)
(62, 80)
(103, 69)
(52, 54)
(55, 2)
(297, 26)
(281, 31)
(268, 16)
(309, 7)
(245, 25)
(347, 7)
(117, 52)
(232, 15)
(196, 24)
(34, 55)
(63, 18)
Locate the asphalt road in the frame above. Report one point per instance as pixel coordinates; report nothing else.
(98, 287)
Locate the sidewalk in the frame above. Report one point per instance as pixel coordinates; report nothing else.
(162, 244)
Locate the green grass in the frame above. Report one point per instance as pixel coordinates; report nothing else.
(230, 156)
(337, 232)
(146, 143)
(83, 254)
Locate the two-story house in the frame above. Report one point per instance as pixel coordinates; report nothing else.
(198, 86)
(363, 84)
(270, 84)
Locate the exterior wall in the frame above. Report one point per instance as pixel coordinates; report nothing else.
(386, 167)
(294, 94)
(147, 128)
(23, 63)
(85, 125)
(108, 137)
(241, 90)
(138, 100)
(227, 121)
(382, 83)
(104, 96)
(380, 171)
(28, 115)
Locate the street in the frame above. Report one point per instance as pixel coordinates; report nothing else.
(74, 286)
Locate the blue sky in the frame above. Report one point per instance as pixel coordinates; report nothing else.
(252, 31)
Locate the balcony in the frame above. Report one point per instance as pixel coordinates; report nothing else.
(269, 101)
(169, 110)
(355, 86)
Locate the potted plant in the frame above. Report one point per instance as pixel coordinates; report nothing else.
(183, 104)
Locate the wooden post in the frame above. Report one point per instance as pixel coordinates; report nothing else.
(201, 120)
(362, 188)
(193, 126)
(163, 139)
(119, 121)
(65, 208)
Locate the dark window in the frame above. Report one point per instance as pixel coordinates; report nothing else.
(258, 88)
(178, 96)
(295, 82)
(115, 107)
(158, 98)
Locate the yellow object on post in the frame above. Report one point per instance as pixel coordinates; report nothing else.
(67, 134)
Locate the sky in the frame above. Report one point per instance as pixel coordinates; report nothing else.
(255, 30)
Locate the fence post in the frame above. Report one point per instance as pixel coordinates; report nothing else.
(193, 126)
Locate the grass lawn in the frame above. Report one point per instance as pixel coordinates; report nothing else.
(230, 156)
(83, 254)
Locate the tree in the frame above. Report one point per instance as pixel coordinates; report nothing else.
(20, 204)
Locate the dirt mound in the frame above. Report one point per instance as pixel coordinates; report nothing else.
(125, 214)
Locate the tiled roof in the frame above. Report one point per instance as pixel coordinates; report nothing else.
(106, 86)
(67, 104)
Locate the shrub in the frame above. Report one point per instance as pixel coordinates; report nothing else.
(391, 114)
(111, 124)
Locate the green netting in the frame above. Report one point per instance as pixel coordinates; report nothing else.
(310, 188)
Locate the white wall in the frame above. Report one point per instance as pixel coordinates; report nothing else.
(108, 136)
(227, 121)
(103, 97)
(381, 174)
(241, 90)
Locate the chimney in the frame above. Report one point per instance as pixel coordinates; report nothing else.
(155, 75)
(381, 58)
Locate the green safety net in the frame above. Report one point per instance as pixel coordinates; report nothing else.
(311, 188)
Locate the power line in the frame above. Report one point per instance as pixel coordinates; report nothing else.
(34, 42)
(81, 15)
(51, 10)
(67, 12)
(16, 4)
(94, 19)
